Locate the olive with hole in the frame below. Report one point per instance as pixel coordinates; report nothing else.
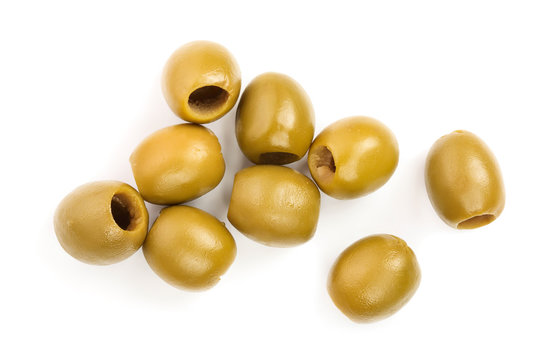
(464, 181)
(353, 157)
(274, 205)
(374, 278)
(201, 81)
(177, 164)
(101, 222)
(189, 248)
(275, 121)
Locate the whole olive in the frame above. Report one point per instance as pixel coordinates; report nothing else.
(275, 120)
(177, 164)
(374, 278)
(201, 81)
(464, 181)
(353, 157)
(189, 248)
(274, 205)
(101, 222)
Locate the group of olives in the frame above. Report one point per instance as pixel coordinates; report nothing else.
(106, 221)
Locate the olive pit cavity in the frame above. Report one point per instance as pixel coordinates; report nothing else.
(324, 163)
(207, 99)
(277, 158)
(124, 211)
(476, 221)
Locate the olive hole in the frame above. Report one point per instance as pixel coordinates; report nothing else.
(277, 158)
(476, 221)
(124, 212)
(324, 163)
(207, 99)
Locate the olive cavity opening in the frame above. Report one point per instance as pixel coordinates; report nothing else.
(124, 211)
(277, 158)
(476, 221)
(207, 99)
(324, 162)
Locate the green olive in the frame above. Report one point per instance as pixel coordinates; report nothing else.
(274, 205)
(201, 81)
(275, 120)
(464, 181)
(189, 248)
(177, 164)
(101, 222)
(374, 278)
(353, 157)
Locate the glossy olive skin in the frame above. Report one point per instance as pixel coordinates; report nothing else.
(274, 205)
(374, 278)
(189, 248)
(177, 164)
(101, 222)
(201, 81)
(464, 181)
(275, 121)
(353, 157)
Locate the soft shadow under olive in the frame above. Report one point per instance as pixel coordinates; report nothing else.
(207, 98)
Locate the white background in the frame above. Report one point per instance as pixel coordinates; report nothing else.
(80, 88)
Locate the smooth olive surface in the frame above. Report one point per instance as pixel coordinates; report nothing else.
(353, 157)
(275, 121)
(374, 277)
(177, 164)
(189, 248)
(101, 222)
(201, 81)
(274, 205)
(464, 181)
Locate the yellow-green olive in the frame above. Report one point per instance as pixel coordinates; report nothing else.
(177, 164)
(201, 81)
(464, 181)
(101, 222)
(189, 248)
(353, 157)
(274, 205)
(274, 120)
(373, 278)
